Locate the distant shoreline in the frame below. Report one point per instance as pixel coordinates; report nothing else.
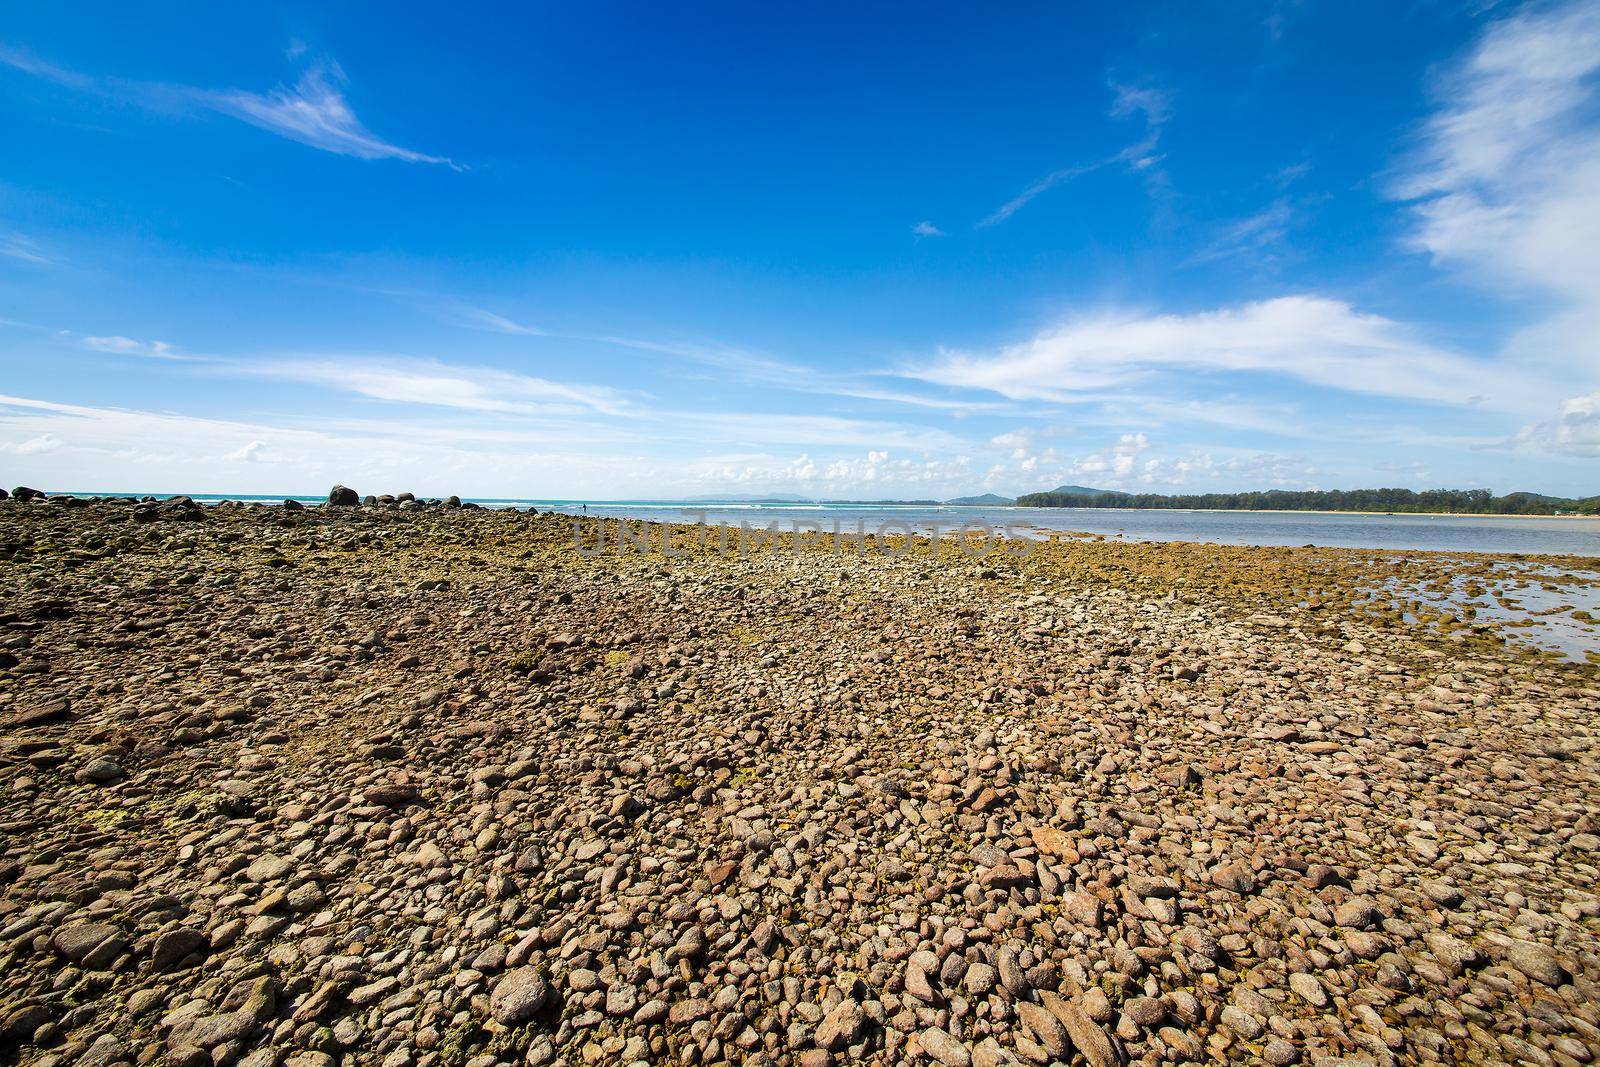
(1317, 511)
(557, 503)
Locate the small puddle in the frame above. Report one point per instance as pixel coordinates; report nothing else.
(1534, 604)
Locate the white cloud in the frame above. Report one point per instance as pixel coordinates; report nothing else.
(1013, 439)
(313, 112)
(1251, 235)
(957, 407)
(482, 319)
(1050, 181)
(927, 229)
(127, 346)
(1130, 463)
(772, 429)
(28, 63)
(1156, 108)
(78, 447)
(1312, 339)
(435, 384)
(877, 474)
(1117, 459)
(751, 368)
(1213, 470)
(34, 446)
(1513, 154)
(1505, 187)
(16, 246)
(1506, 182)
(1154, 104)
(1575, 432)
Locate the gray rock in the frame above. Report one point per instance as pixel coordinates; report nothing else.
(101, 770)
(173, 946)
(94, 945)
(209, 1031)
(1536, 961)
(103, 1051)
(518, 996)
(269, 868)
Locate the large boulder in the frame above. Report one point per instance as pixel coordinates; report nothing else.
(343, 496)
(22, 492)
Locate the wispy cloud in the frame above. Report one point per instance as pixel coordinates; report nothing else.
(129, 449)
(1312, 339)
(463, 451)
(1249, 236)
(28, 63)
(16, 246)
(753, 368)
(1131, 99)
(1049, 181)
(1283, 12)
(927, 229)
(430, 383)
(1506, 182)
(477, 318)
(127, 346)
(1505, 187)
(807, 430)
(1154, 105)
(313, 111)
(958, 405)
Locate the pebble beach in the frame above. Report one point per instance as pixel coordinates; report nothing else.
(412, 784)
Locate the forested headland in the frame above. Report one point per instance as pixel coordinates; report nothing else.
(1438, 501)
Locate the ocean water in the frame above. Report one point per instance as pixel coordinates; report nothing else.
(1432, 533)
(1441, 533)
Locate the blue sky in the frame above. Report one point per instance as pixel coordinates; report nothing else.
(846, 250)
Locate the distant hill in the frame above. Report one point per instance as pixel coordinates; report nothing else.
(1084, 490)
(989, 499)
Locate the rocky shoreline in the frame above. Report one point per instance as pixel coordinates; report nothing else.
(420, 785)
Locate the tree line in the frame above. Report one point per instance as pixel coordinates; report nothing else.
(1462, 501)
